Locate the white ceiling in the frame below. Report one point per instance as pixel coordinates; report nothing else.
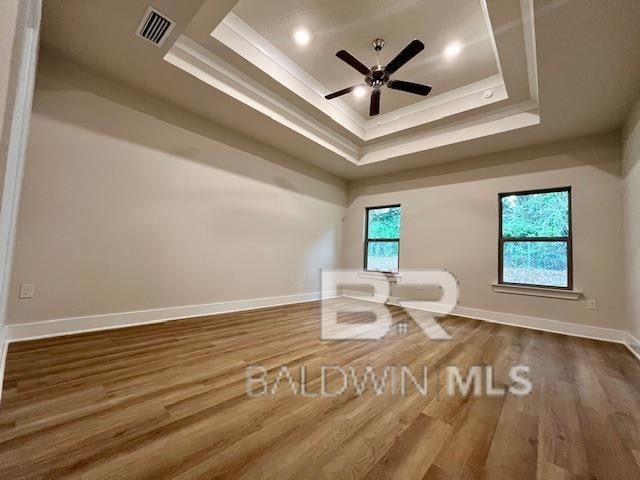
(588, 71)
(353, 24)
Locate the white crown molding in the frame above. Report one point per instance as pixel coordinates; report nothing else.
(529, 27)
(211, 69)
(250, 45)
(487, 21)
(436, 108)
(208, 67)
(511, 118)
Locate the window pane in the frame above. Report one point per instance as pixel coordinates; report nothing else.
(383, 256)
(536, 215)
(536, 263)
(384, 222)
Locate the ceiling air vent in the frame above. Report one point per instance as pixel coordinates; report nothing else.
(155, 27)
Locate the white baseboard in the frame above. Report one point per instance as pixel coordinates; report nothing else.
(534, 323)
(69, 326)
(633, 344)
(74, 325)
(544, 324)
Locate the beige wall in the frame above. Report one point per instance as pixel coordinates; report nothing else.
(450, 220)
(129, 203)
(631, 168)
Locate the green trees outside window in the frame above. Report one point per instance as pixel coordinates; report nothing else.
(535, 238)
(382, 239)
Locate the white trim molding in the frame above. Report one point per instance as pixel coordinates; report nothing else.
(249, 44)
(14, 166)
(91, 323)
(196, 60)
(253, 47)
(211, 69)
(513, 103)
(633, 344)
(500, 121)
(75, 325)
(18, 135)
(537, 291)
(534, 323)
(544, 324)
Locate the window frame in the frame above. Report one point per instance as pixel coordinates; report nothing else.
(367, 239)
(568, 239)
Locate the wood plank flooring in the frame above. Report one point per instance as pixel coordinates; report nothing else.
(169, 401)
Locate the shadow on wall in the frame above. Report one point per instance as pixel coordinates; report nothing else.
(631, 132)
(61, 83)
(548, 157)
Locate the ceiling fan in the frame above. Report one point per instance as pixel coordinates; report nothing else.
(379, 75)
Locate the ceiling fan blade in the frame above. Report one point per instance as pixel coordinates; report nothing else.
(374, 108)
(410, 87)
(341, 92)
(353, 61)
(410, 51)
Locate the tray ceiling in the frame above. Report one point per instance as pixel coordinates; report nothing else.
(352, 25)
(490, 87)
(213, 82)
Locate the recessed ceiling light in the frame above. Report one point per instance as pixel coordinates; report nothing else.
(452, 50)
(301, 36)
(360, 91)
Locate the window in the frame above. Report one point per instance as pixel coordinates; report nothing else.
(382, 239)
(535, 238)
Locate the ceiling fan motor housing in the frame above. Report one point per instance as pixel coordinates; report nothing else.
(377, 77)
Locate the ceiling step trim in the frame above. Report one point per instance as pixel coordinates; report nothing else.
(216, 72)
(234, 33)
(211, 69)
(237, 35)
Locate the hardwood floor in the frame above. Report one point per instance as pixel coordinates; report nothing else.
(169, 401)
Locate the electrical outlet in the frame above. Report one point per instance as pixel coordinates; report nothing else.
(26, 290)
(592, 304)
(292, 279)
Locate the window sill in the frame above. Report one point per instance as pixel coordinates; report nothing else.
(537, 291)
(390, 277)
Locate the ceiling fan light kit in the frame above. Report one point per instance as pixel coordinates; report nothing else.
(379, 76)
